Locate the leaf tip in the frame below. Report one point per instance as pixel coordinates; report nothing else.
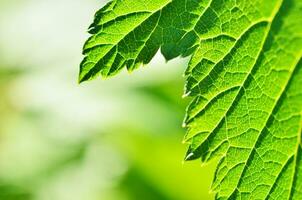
(189, 156)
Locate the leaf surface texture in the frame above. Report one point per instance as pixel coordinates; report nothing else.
(244, 76)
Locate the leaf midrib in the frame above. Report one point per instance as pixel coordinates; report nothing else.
(277, 100)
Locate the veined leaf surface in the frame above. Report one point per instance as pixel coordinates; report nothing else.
(245, 79)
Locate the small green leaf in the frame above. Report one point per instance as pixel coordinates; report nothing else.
(245, 78)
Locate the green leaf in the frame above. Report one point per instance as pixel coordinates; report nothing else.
(245, 78)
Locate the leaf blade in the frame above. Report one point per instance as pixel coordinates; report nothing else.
(242, 77)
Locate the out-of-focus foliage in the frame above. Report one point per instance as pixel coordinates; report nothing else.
(60, 140)
(130, 159)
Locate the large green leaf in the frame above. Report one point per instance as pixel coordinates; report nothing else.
(245, 78)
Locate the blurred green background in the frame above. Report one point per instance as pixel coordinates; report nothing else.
(115, 139)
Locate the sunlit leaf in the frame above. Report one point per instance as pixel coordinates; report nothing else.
(245, 78)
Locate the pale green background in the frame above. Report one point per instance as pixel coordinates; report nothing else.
(118, 139)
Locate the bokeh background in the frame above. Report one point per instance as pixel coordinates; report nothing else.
(115, 139)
